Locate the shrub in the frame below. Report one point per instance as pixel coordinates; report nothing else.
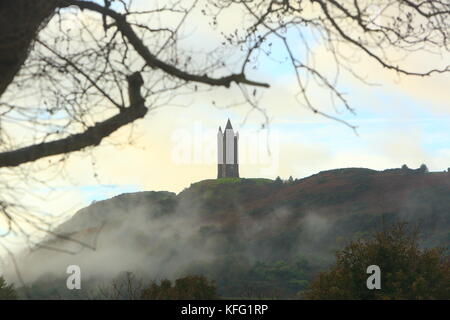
(407, 272)
(7, 292)
(187, 288)
(423, 168)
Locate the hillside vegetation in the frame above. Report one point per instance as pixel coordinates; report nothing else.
(252, 237)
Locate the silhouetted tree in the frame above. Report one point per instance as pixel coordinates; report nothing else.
(423, 168)
(126, 286)
(278, 181)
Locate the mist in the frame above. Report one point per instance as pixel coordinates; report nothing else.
(204, 230)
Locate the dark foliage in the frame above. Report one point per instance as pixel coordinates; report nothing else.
(7, 291)
(407, 272)
(187, 288)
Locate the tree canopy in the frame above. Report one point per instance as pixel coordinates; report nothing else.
(7, 292)
(407, 271)
(186, 288)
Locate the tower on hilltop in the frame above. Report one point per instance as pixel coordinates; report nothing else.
(227, 153)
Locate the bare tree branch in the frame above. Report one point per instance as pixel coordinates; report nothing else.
(151, 59)
(91, 137)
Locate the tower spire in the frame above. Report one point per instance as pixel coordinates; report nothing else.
(228, 125)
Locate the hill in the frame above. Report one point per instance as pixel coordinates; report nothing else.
(252, 236)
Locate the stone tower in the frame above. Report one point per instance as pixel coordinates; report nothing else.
(227, 153)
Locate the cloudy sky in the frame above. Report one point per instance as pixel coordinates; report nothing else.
(400, 120)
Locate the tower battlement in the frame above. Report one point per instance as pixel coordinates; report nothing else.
(227, 152)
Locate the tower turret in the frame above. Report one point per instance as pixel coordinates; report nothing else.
(220, 157)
